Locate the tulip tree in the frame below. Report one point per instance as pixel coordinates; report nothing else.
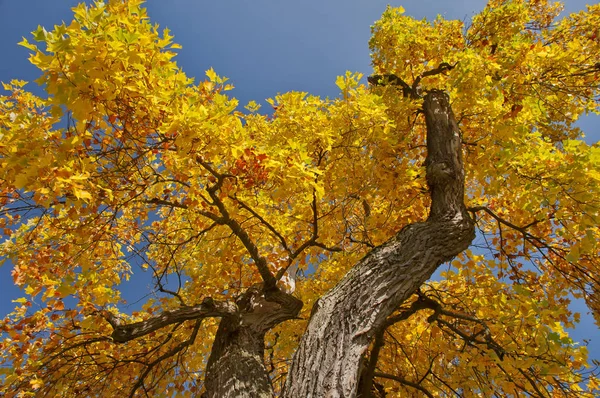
(291, 250)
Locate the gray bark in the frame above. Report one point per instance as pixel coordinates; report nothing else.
(236, 364)
(344, 321)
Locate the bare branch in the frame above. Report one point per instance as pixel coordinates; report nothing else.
(170, 353)
(236, 228)
(501, 220)
(405, 382)
(264, 222)
(369, 373)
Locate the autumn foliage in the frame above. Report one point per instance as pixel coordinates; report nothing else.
(128, 167)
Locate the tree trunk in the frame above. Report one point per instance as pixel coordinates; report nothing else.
(236, 364)
(344, 321)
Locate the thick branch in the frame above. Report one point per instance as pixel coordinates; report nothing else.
(423, 302)
(208, 308)
(443, 67)
(408, 90)
(349, 316)
(369, 372)
(384, 80)
(444, 158)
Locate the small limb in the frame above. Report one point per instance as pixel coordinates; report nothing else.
(405, 382)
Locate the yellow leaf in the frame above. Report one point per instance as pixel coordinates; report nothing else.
(36, 383)
(212, 76)
(21, 300)
(82, 194)
(28, 45)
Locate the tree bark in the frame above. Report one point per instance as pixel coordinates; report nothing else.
(236, 364)
(344, 321)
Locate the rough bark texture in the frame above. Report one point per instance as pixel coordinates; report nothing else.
(123, 333)
(344, 321)
(236, 364)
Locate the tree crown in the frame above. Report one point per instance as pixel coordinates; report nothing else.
(128, 166)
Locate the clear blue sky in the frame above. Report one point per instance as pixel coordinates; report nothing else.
(263, 46)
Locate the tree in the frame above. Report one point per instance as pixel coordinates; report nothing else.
(461, 150)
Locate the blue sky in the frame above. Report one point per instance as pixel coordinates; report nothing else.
(263, 46)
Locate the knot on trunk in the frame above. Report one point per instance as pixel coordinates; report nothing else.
(262, 309)
(440, 173)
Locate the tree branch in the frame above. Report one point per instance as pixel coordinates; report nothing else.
(407, 90)
(523, 230)
(312, 241)
(168, 354)
(208, 308)
(443, 67)
(405, 382)
(391, 79)
(264, 222)
(236, 228)
(350, 315)
(369, 373)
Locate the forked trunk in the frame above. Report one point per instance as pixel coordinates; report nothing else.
(236, 364)
(344, 321)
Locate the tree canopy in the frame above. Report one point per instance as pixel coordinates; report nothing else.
(251, 222)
